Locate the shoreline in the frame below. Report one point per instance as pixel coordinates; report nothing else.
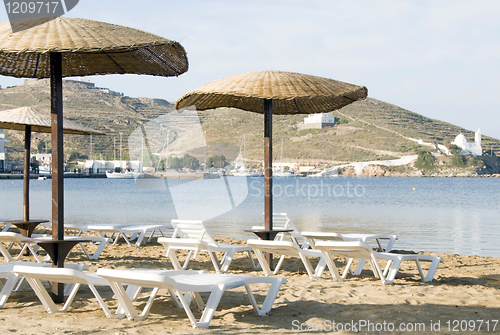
(19, 176)
(464, 288)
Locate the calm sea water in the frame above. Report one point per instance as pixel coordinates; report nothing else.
(451, 215)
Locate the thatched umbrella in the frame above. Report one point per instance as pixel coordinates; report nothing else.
(277, 92)
(30, 120)
(64, 47)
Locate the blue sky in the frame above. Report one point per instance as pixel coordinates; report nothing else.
(437, 58)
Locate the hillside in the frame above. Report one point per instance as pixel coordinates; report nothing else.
(368, 130)
(98, 108)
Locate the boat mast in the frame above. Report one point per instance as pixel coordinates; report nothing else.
(281, 159)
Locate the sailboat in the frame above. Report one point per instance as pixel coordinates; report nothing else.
(127, 174)
(283, 173)
(242, 171)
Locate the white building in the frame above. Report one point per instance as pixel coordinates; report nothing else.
(318, 121)
(42, 158)
(44, 162)
(100, 166)
(3, 153)
(473, 148)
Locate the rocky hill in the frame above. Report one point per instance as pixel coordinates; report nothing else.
(367, 130)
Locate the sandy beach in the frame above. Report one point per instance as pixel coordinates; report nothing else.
(464, 296)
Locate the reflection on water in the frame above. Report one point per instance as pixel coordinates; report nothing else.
(452, 215)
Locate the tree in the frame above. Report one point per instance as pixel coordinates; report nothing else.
(190, 162)
(174, 163)
(425, 160)
(219, 161)
(42, 147)
(457, 160)
(74, 155)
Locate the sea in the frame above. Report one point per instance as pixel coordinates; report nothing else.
(446, 215)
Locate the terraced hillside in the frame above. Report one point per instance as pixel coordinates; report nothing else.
(367, 130)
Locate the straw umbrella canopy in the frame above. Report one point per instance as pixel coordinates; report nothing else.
(30, 120)
(63, 47)
(277, 92)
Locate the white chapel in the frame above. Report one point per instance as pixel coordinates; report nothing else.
(473, 148)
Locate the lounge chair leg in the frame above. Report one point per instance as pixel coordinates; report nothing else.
(359, 267)
(228, 258)
(432, 269)
(211, 306)
(348, 268)
(255, 266)
(175, 262)
(270, 297)
(320, 268)
(278, 266)
(213, 302)
(263, 263)
(331, 265)
(7, 288)
(387, 267)
(100, 301)
(393, 271)
(215, 262)
(6, 254)
(307, 265)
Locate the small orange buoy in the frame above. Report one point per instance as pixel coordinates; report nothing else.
(414, 189)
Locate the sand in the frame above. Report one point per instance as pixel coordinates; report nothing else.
(464, 295)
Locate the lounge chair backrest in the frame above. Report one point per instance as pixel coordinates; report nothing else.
(192, 229)
(356, 250)
(282, 221)
(14, 237)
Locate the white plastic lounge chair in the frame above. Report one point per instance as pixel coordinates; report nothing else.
(282, 221)
(193, 282)
(136, 231)
(389, 240)
(362, 251)
(287, 248)
(33, 275)
(100, 241)
(193, 236)
(17, 238)
(11, 279)
(143, 230)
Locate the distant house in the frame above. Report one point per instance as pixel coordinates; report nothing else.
(42, 158)
(3, 153)
(473, 148)
(318, 121)
(100, 166)
(44, 161)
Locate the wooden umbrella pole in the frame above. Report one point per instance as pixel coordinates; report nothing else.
(26, 188)
(57, 166)
(268, 170)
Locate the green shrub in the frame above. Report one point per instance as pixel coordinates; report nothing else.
(457, 160)
(425, 160)
(342, 121)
